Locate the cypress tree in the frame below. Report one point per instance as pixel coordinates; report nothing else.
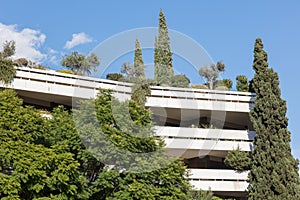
(274, 171)
(138, 60)
(163, 69)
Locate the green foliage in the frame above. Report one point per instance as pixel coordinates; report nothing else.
(39, 172)
(251, 87)
(274, 171)
(138, 61)
(242, 83)
(7, 69)
(163, 67)
(225, 84)
(180, 80)
(211, 73)
(45, 158)
(65, 71)
(134, 73)
(81, 64)
(202, 195)
(119, 130)
(28, 169)
(140, 91)
(238, 160)
(199, 86)
(114, 76)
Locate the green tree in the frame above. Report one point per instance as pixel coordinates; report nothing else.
(180, 80)
(136, 72)
(140, 91)
(225, 84)
(274, 171)
(9, 49)
(81, 64)
(211, 73)
(138, 65)
(238, 160)
(28, 169)
(163, 68)
(64, 137)
(118, 130)
(7, 69)
(128, 72)
(242, 83)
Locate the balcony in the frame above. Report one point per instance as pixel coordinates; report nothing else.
(219, 180)
(195, 142)
(60, 88)
(187, 98)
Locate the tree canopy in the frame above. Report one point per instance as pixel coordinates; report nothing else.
(122, 134)
(211, 73)
(49, 159)
(29, 169)
(81, 64)
(180, 80)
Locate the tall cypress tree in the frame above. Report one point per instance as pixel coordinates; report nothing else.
(163, 69)
(274, 172)
(138, 60)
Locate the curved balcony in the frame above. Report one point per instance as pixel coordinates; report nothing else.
(60, 88)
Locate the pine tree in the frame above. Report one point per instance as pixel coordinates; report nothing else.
(163, 69)
(274, 171)
(138, 60)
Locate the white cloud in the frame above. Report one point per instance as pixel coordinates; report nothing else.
(52, 56)
(28, 41)
(77, 39)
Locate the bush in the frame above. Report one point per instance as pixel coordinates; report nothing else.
(65, 71)
(21, 62)
(199, 86)
(180, 80)
(242, 83)
(238, 160)
(225, 84)
(41, 67)
(202, 195)
(114, 76)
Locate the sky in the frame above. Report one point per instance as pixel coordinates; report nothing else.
(44, 31)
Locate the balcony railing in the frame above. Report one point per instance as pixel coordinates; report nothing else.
(219, 180)
(205, 139)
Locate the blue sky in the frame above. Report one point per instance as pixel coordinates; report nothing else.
(226, 30)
